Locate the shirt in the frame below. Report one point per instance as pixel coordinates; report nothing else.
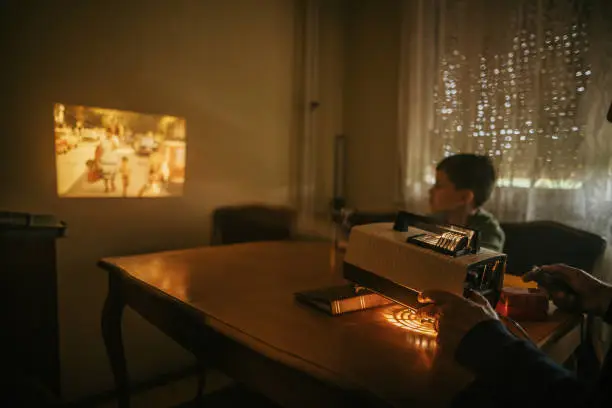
(491, 234)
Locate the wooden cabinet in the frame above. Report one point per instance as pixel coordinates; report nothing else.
(28, 312)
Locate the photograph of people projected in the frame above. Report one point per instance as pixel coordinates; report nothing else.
(113, 153)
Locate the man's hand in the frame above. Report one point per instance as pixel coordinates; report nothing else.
(456, 315)
(595, 295)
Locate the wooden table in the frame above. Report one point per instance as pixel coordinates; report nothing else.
(233, 307)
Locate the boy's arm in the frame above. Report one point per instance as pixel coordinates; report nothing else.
(492, 236)
(494, 241)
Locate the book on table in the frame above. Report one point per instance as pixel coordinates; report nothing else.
(337, 300)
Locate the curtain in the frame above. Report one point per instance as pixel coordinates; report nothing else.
(526, 82)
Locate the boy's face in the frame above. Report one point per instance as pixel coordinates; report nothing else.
(444, 197)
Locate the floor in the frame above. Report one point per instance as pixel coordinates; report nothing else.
(219, 392)
(168, 395)
(173, 394)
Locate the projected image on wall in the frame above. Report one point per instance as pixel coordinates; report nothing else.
(112, 153)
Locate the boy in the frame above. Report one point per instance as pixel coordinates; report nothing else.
(125, 171)
(156, 175)
(464, 182)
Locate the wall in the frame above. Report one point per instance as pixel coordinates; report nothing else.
(356, 85)
(224, 65)
(372, 41)
(330, 93)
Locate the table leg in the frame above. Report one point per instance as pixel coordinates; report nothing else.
(201, 367)
(113, 341)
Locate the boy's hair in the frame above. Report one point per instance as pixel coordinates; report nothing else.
(470, 172)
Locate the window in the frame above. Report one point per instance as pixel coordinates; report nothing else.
(512, 88)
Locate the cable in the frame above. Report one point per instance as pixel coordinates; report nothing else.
(518, 327)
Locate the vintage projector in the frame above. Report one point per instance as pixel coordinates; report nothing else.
(399, 260)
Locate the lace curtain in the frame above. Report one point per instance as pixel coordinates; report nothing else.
(527, 82)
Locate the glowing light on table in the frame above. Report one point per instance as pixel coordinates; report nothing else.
(419, 332)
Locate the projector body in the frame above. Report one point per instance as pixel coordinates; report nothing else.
(387, 261)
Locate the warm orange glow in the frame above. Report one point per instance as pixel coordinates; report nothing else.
(421, 332)
(421, 342)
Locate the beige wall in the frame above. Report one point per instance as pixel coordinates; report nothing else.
(329, 116)
(229, 67)
(371, 102)
(224, 65)
(357, 87)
